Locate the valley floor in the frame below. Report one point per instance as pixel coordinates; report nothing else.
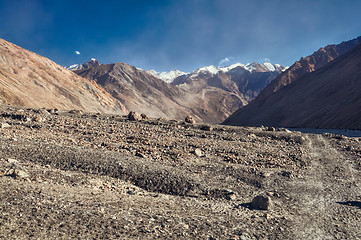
(66, 175)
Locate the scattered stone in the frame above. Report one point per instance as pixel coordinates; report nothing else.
(53, 111)
(133, 116)
(270, 129)
(198, 152)
(21, 174)
(270, 193)
(261, 202)
(232, 196)
(42, 111)
(16, 173)
(284, 130)
(5, 125)
(144, 116)
(265, 174)
(190, 119)
(74, 111)
(11, 160)
(207, 128)
(244, 236)
(252, 135)
(222, 193)
(286, 174)
(139, 154)
(38, 119)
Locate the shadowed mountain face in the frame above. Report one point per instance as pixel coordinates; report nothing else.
(140, 91)
(30, 80)
(246, 80)
(326, 98)
(137, 90)
(210, 94)
(308, 64)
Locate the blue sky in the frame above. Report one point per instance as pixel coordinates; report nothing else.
(184, 34)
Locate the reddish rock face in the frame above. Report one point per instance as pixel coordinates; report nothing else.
(28, 79)
(326, 98)
(308, 64)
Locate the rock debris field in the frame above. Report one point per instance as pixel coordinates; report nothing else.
(75, 175)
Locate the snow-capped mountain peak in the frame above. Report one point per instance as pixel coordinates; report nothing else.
(233, 66)
(167, 76)
(73, 67)
(269, 66)
(92, 63)
(208, 69)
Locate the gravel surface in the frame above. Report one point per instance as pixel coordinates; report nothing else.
(66, 175)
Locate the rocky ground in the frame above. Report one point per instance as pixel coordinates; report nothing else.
(66, 175)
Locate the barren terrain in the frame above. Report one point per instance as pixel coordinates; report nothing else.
(74, 175)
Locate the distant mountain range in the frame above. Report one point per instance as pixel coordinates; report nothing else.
(322, 90)
(209, 94)
(245, 80)
(169, 77)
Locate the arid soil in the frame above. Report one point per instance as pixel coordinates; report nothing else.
(74, 175)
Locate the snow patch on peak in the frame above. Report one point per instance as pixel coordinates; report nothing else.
(233, 66)
(211, 69)
(73, 67)
(250, 67)
(167, 76)
(170, 76)
(280, 67)
(152, 72)
(269, 66)
(92, 63)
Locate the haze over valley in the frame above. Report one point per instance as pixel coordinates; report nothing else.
(180, 119)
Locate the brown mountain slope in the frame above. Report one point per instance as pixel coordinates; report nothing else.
(137, 90)
(142, 92)
(244, 81)
(28, 79)
(327, 98)
(308, 64)
(209, 94)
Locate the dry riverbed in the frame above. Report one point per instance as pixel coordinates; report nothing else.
(66, 175)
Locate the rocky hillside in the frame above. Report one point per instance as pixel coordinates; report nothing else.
(95, 176)
(326, 98)
(210, 94)
(309, 64)
(140, 91)
(27, 79)
(245, 80)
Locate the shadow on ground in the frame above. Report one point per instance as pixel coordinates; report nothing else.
(351, 203)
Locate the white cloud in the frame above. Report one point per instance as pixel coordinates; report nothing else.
(267, 60)
(225, 61)
(77, 52)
